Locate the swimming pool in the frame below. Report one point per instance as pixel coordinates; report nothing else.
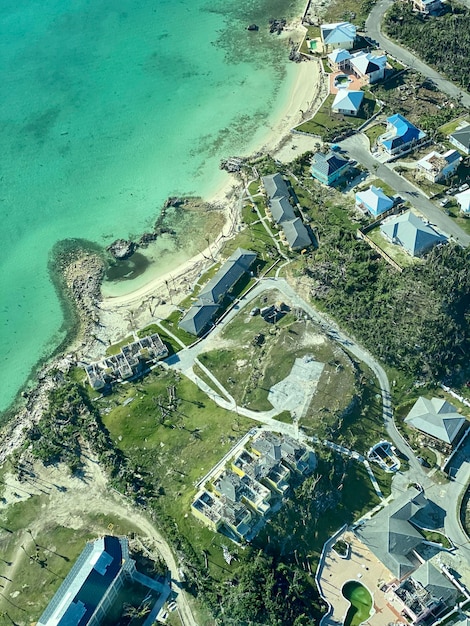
(361, 603)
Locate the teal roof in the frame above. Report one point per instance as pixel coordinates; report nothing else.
(348, 100)
(374, 200)
(411, 233)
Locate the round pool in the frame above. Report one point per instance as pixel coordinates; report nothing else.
(360, 599)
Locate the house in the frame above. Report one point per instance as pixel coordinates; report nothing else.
(92, 585)
(215, 512)
(411, 233)
(460, 138)
(400, 136)
(296, 234)
(328, 168)
(339, 59)
(425, 595)
(200, 315)
(464, 201)
(368, 67)
(427, 7)
(281, 210)
(338, 35)
(438, 419)
(373, 200)
(245, 489)
(347, 102)
(275, 186)
(435, 166)
(392, 536)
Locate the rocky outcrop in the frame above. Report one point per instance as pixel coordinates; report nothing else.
(122, 249)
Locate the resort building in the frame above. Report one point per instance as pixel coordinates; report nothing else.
(92, 585)
(426, 595)
(392, 534)
(401, 136)
(328, 168)
(368, 67)
(238, 499)
(436, 167)
(202, 313)
(296, 235)
(373, 200)
(460, 138)
(411, 233)
(133, 359)
(279, 210)
(463, 199)
(438, 421)
(347, 102)
(338, 35)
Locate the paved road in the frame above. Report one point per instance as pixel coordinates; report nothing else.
(373, 31)
(357, 147)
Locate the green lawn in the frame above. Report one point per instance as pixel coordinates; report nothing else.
(374, 132)
(312, 33)
(377, 182)
(327, 124)
(450, 127)
(116, 347)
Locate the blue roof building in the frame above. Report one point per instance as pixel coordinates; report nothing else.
(338, 35)
(347, 102)
(327, 168)
(373, 200)
(400, 136)
(92, 584)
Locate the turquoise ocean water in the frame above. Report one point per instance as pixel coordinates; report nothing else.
(107, 108)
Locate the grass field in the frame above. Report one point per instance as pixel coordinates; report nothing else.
(248, 370)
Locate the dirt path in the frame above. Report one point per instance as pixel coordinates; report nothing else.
(69, 497)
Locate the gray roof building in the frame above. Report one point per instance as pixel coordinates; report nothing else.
(435, 582)
(198, 318)
(411, 233)
(281, 210)
(328, 164)
(275, 186)
(96, 575)
(296, 234)
(391, 536)
(437, 418)
(461, 138)
(227, 276)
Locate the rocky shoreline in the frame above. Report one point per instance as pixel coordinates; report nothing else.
(77, 270)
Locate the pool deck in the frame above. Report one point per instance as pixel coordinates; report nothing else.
(364, 567)
(355, 85)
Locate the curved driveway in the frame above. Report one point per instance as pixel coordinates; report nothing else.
(373, 30)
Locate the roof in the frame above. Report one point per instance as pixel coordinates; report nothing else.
(437, 418)
(435, 582)
(410, 232)
(366, 63)
(296, 234)
(401, 133)
(226, 277)
(275, 186)
(328, 164)
(281, 210)
(391, 536)
(87, 583)
(462, 135)
(348, 100)
(338, 55)
(198, 317)
(464, 200)
(337, 32)
(436, 161)
(374, 200)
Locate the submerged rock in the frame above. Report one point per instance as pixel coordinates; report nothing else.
(252, 27)
(122, 249)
